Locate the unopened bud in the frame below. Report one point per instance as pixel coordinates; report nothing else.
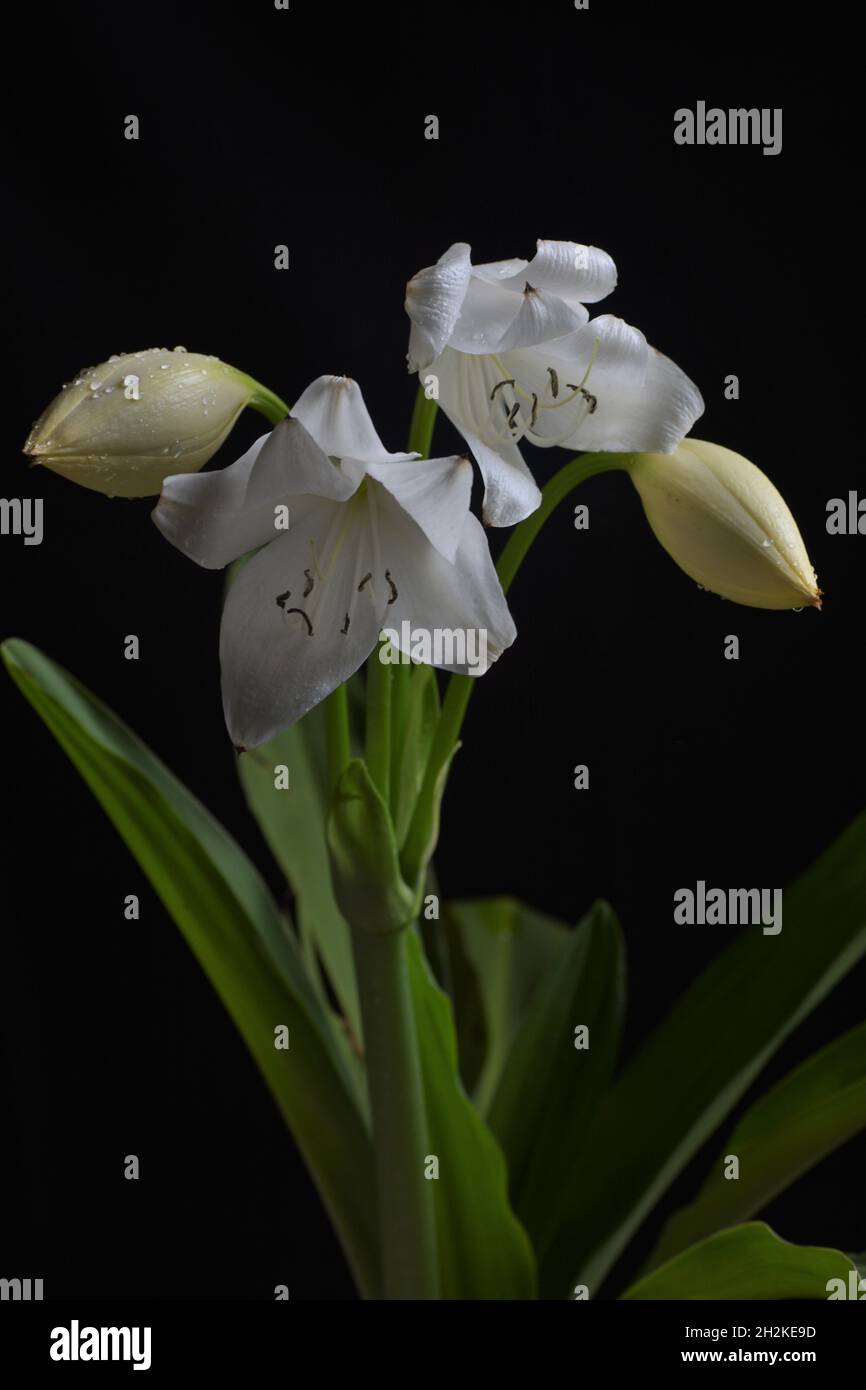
(726, 525)
(124, 426)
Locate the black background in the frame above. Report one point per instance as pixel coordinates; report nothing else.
(306, 127)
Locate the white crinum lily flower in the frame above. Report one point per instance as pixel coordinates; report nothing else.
(372, 537)
(516, 356)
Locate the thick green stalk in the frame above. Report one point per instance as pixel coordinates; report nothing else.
(337, 733)
(400, 1139)
(421, 428)
(377, 749)
(460, 688)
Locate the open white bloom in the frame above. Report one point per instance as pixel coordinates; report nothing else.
(516, 357)
(372, 538)
(724, 523)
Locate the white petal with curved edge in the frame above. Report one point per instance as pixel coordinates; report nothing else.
(487, 314)
(497, 271)
(465, 386)
(460, 608)
(332, 409)
(277, 664)
(542, 318)
(216, 517)
(434, 492)
(433, 300)
(648, 412)
(574, 377)
(578, 274)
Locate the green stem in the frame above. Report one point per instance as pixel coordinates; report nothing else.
(267, 403)
(400, 1139)
(421, 428)
(337, 733)
(460, 688)
(378, 727)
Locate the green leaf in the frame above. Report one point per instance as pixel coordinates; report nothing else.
(293, 822)
(803, 1118)
(711, 1047)
(229, 920)
(549, 1088)
(747, 1262)
(484, 1252)
(497, 951)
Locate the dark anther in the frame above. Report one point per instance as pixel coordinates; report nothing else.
(512, 413)
(393, 587)
(508, 381)
(281, 598)
(554, 382)
(367, 577)
(308, 587)
(532, 417)
(345, 628)
(287, 611)
(592, 401)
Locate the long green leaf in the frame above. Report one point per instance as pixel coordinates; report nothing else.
(748, 1262)
(713, 1044)
(293, 822)
(805, 1116)
(229, 920)
(497, 952)
(550, 1087)
(484, 1252)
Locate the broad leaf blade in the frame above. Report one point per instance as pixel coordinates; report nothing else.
(549, 1088)
(715, 1041)
(293, 822)
(806, 1116)
(484, 1253)
(231, 924)
(498, 950)
(748, 1262)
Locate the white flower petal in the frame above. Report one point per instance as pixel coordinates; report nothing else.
(217, 517)
(497, 271)
(605, 359)
(644, 402)
(332, 409)
(277, 664)
(434, 596)
(542, 318)
(487, 314)
(578, 274)
(465, 386)
(434, 492)
(433, 300)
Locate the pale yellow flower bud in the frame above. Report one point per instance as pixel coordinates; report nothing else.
(122, 427)
(726, 525)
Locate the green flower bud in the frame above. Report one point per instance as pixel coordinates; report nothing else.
(726, 525)
(365, 862)
(122, 427)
